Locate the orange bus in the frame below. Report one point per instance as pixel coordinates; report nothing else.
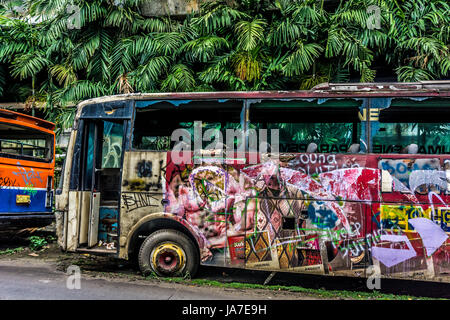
(27, 163)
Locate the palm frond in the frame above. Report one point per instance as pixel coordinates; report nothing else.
(78, 91)
(180, 78)
(2, 79)
(216, 15)
(204, 49)
(412, 74)
(250, 34)
(28, 64)
(64, 74)
(302, 58)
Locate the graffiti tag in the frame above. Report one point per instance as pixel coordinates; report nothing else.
(134, 201)
(27, 176)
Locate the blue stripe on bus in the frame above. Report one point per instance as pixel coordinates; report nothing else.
(176, 103)
(8, 201)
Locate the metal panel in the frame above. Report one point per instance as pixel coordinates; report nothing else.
(61, 228)
(109, 110)
(143, 185)
(85, 207)
(72, 221)
(93, 220)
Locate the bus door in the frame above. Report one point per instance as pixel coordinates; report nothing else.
(100, 180)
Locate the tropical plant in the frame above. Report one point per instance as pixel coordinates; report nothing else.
(422, 36)
(72, 50)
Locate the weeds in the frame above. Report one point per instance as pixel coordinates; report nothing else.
(11, 251)
(151, 275)
(322, 293)
(51, 239)
(37, 243)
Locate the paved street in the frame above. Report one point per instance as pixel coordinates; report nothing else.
(41, 281)
(43, 275)
(28, 279)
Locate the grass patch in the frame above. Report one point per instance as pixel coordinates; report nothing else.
(329, 294)
(11, 251)
(37, 243)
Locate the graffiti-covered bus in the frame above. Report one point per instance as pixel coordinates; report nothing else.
(27, 163)
(343, 179)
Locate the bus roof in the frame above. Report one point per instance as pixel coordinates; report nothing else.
(26, 119)
(323, 91)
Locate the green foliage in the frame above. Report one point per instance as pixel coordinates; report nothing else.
(321, 293)
(11, 251)
(227, 45)
(37, 243)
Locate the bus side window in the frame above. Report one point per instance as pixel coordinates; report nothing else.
(412, 127)
(308, 126)
(112, 144)
(153, 126)
(411, 138)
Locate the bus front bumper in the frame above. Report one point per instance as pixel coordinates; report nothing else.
(21, 221)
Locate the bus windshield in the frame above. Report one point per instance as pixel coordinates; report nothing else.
(25, 143)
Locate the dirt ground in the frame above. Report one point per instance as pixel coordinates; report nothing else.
(20, 244)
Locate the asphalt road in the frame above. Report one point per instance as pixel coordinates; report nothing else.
(27, 275)
(38, 280)
(41, 281)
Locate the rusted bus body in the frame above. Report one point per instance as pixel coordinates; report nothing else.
(27, 162)
(361, 199)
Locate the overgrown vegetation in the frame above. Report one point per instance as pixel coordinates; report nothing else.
(10, 251)
(227, 45)
(38, 243)
(329, 294)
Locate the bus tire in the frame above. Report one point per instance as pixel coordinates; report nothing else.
(168, 253)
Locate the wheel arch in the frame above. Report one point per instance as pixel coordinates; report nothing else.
(154, 222)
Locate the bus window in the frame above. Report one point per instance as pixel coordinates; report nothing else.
(89, 154)
(412, 127)
(308, 127)
(154, 125)
(112, 144)
(422, 138)
(103, 154)
(25, 143)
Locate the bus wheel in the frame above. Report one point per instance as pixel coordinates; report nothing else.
(168, 253)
